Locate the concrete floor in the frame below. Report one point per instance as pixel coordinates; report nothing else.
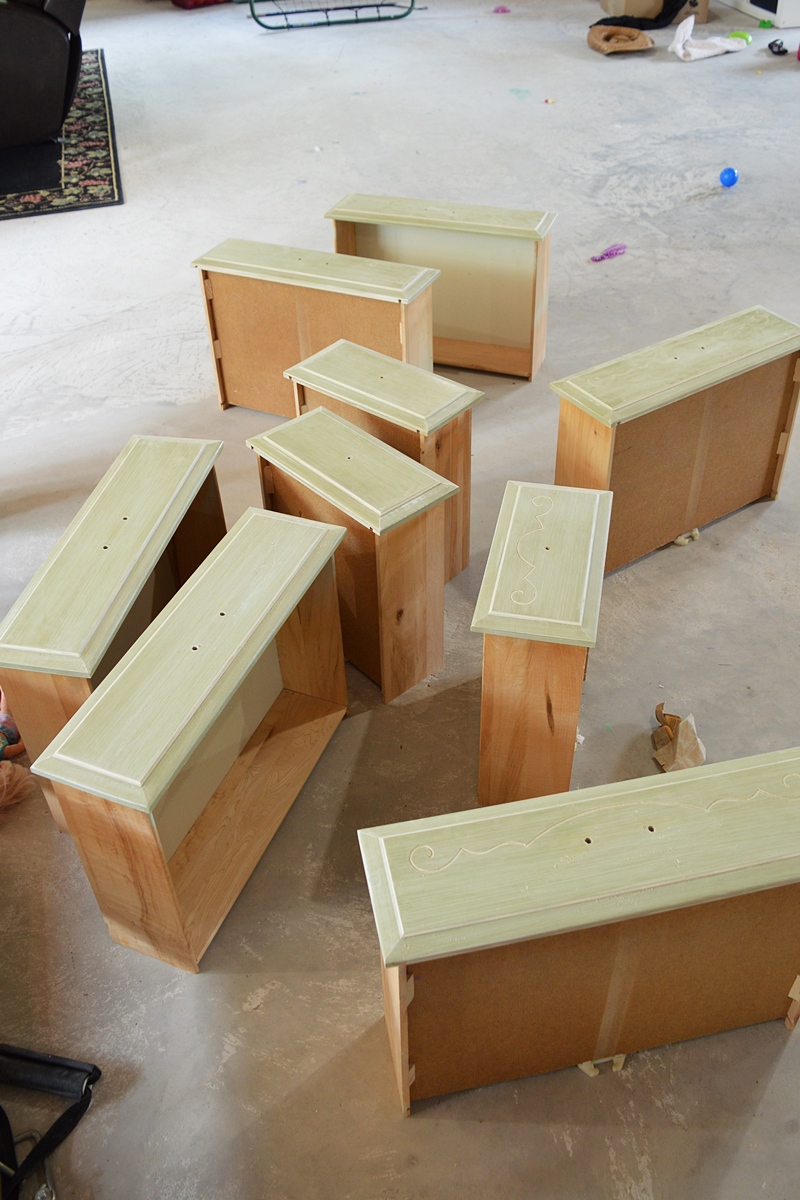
(268, 1074)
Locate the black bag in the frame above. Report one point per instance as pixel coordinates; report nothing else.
(43, 1073)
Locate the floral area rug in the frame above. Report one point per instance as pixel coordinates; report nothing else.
(80, 171)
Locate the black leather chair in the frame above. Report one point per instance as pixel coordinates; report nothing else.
(40, 61)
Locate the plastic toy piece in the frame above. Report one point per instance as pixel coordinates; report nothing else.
(612, 252)
(777, 47)
(729, 177)
(740, 33)
(617, 1061)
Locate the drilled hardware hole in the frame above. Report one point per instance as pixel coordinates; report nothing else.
(588, 841)
(222, 614)
(195, 647)
(105, 547)
(651, 829)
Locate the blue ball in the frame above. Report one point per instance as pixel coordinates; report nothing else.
(728, 177)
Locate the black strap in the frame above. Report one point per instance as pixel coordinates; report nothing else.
(668, 13)
(43, 1073)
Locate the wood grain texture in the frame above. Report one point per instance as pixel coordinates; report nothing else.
(67, 616)
(395, 992)
(448, 452)
(785, 436)
(410, 563)
(218, 855)
(482, 356)
(544, 575)
(416, 331)
(344, 237)
(548, 865)
(356, 570)
(407, 441)
(42, 704)
(584, 451)
(397, 392)
(125, 865)
(310, 643)
(443, 215)
(649, 379)
(366, 479)
(540, 1005)
(530, 705)
(541, 291)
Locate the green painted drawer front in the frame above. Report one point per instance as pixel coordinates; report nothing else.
(432, 214)
(649, 379)
(544, 576)
(370, 482)
(471, 880)
(68, 614)
(318, 269)
(133, 737)
(397, 392)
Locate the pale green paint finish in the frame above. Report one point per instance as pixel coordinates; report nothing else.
(69, 613)
(371, 482)
(318, 269)
(432, 214)
(648, 379)
(544, 576)
(407, 396)
(472, 880)
(135, 734)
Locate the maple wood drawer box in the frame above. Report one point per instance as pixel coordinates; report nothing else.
(269, 306)
(177, 772)
(684, 431)
(567, 929)
(537, 609)
(148, 524)
(490, 300)
(390, 565)
(422, 415)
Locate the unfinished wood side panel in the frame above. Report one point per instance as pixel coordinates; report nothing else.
(356, 571)
(208, 305)
(263, 327)
(540, 1005)
(541, 288)
(584, 451)
(310, 643)
(42, 705)
(482, 356)
(697, 459)
(124, 862)
(201, 529)
(448, 452)
(785, 437)
(416, 331)
(407, 441)
(344, 237)
(530, 704)
(411, 601)
(218, 855)
(395, 1002)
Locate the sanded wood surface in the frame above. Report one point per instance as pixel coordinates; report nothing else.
(584, 450)
(42, 704)
(399, 393)
(444, 885)
(648, 379)
(310, 643)
(410, 565)
(395, 998)
(530, 704)
(356, 570)
(482, 356)
(67, 616)
(518, 1010)
(407, 441)
(367, 480)
(544, 574)
(541, 290)
(448, 452)
(219, 853)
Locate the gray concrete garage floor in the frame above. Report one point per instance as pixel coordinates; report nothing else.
(268, 1074)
